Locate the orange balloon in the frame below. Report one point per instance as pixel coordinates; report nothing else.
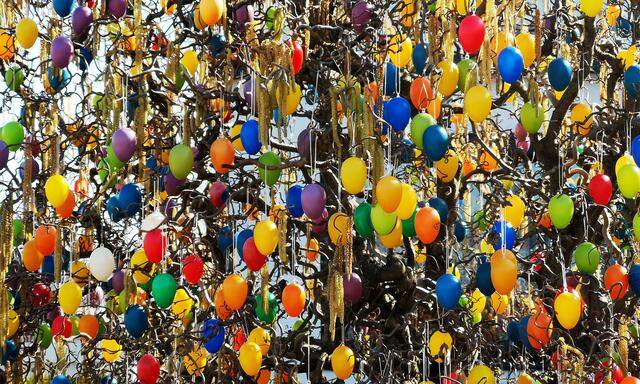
(427, 224)
(222, 155)
(294, 299)
(539, 328)
(7, 45)
(264, 376)
(312, 251)
(504, 271)
(89, 325)
(371, 91)
(435, 106)
(421, 92)
(236, 289)
(222, 310)
(46, 239)
(630, 380)
(616, 281)
(66, 209)
(31, 257)
(488, 162)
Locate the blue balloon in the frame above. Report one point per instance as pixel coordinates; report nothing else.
(397, 112)
(522, 332)
(632, 81)
(61, 80)
(130, 198)
(435, 140)
(560, 74)
(513, 331)
(460, 230)
(448, 291)
(136, 321)
(483, 279)
(241, 237)
(63, 7)
(294, 201)
(634, 279)
(48, 265)
(225, 240)
(116, 213)
(216, 44)
(635, 149)
(151, 163)
(10, 351)
(213, 335)
(509, 235)
(60, 379)
(250, 137)
(441, 206)
(419, 57)
(391, 78)
(510, 64)
(86, 57)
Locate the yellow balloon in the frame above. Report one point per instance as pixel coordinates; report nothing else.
(478, 301)
(70, 297)
(591, 8)
(56, 189)
(447, 167)
(342, 362)
(250, 358)
(408, 202)
(526, 43)
(449, 78)
(339, 227)
(462, 6)
(212, 11)
(481, 374)
(514, 213)
(353, 175)
(568, 308)
(111, 350)
(499, 303)
(195, 361)
(141, 267)
(477, 103)
(500, 41)
(26, 33)
(80, 272)
(190, 61)
(455, 271)
(182, 303)
(409, 13)
(612, 13)
(393, 239)
(625, 159)
(170, 10)
(262, 337)
(293, 99)
(13, 323)
(235, 137)
(486, 247)
(266, 236)
(198, 21)
(421, 254)
(440, 344)
(525, 379)
(400, 50)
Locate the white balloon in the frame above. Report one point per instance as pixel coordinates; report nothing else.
(152, 221)
(102, 263)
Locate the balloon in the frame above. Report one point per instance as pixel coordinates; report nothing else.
(182, 304)
(388, 193)
(339, 228)
(560, 73)
(14, 77)
(509, 239)
(510, 64)
(532, 117)
(632, 81)
(250, 358)
(269, 315)
(148, 369)
(361, 14)
(181, 161)
(483, 279)
(439, 344)
(477, 103)
(526, 43)
(449, 78)
(163, 290)
(213, 333)
(591, 8)
(421, 92)
(250, 137)
(581, 117)
(393, 239)
(27, 33)
(499, 303)
(136, 321)
(427, 224)
(155, 245)
(362, 220)
(471, 34)
(342, 362)
(400, 50)
(81, 20)
(448, 291)
(63, 7)
(504, 271)
(383, 223)
(7, 45)
(419, 57)
(61, 51)
(294, 299)
(568, 309)
(397, 113)
(222, 155)
(419, 124)
(236, 290)
(60, 379)
(69, 297)
(124, 142)
(196, 360)
(352, 287)
(294, 201)
(481, 374)
(561, 210)
(261, 337)
(13, 135)
(266, 236)
(601, 189)
(252, 256)
(436, 142)
(353, 174)
(111, 350)
(101, 264)
(587, 257)
(269, 176)
(218, 193)
(616, 281)
(514, 213)
(391, 77)
(211, 11)
(408, 202)
(539, 328)
(478, 301)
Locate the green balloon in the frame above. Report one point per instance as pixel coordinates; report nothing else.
(121, 301)
(179, 78)
(146, 286)
(362, 220)
(382, 221)
(464, 302)
(269, 17)
(477, 317)
(44, 336)
(419, 124)
(408, 226)
(267, 317)
(634, 331)
(163, 289)
(104, 172)
(18, 230)
(464, 67)
(561, 210)
(480, 220)
(12, 134)
(181, 161)
(75, 322)
(532, 117)
(629, 181)
(636, 226)
(112, 159)
(14, 77)
(269, 176)
(297, 325)
(587, 257)
(98, 102)
(102, 327)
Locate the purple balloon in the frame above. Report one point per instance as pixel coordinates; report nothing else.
(247, 91)
(124, 142)
(81, 20)
(361, 15)
(117, 8)
(4, 154)
(171, 184)
(35, 169)
(61, 51)
(320, 224)
(96, 296)
(314, 199)
(519, 132)
(244, 14)
(305, 140)
(352, 288)
(117, 281)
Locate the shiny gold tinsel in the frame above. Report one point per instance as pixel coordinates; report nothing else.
(623, 344)
(282, 234)
(6, 253)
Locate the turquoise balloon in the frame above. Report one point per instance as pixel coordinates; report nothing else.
(13, 135)
(532, 117)
(269, 176)
(561, 210)
(181, 161)
(382, 222)
(629, 181)
(362, 220)
(408, 226)
(587, 257)
(163, 290)
(419, 124)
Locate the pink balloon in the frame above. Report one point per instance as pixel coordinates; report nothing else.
(520, 133)
(471, 34)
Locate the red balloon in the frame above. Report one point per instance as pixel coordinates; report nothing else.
(616, 281)
(40, 294)
(252, 257)
(192, 268)
(601, 189)
(238, 339)
(218, 193)
(148, 369)
(297, 57)
(471, 34)
(616, 373)
(155, 245)
(61, 327)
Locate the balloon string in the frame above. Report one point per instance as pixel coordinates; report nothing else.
(564, 274)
